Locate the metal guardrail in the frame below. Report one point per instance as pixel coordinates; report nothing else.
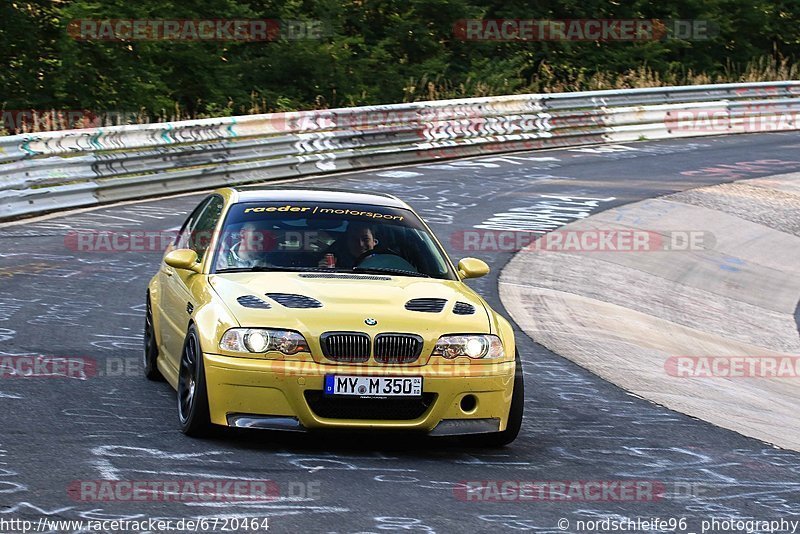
(78, 168)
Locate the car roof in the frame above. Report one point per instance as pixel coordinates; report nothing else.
(315, 194)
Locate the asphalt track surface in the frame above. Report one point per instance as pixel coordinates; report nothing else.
(57, 302)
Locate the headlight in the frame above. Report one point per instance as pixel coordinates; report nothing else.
(475, 346)
(260, 340)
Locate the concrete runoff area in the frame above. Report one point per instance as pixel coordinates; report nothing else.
(634, 317)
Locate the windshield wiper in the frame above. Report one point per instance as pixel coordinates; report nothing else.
(275, 268)
(401, 272)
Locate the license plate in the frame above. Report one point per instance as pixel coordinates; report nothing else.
(373, 386)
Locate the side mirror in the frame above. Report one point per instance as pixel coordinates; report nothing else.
(472, 268)
(183, 258)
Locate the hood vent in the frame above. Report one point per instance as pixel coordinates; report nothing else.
(426, 305)
(252, 301)
(290, 300)
(345, 276)
(463, 308)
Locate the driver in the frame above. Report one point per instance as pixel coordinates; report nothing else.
(245, 252)
(357, 241)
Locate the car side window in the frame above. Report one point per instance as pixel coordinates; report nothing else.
(200, 237)
(199, 227)
(183, 238)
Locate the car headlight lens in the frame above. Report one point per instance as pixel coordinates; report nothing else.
(256, 340)
(259, 340)
(476, 346)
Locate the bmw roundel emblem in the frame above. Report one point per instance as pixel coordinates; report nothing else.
(370, 321)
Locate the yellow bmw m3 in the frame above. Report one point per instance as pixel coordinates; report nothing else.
(302, 309)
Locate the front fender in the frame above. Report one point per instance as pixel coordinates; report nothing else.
(211, 316)
(154, 293)
(502, 327)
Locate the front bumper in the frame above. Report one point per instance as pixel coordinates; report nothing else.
(287, 395)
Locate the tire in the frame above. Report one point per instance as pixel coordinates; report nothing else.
(193, 413)
(150, 356)
(515, 412)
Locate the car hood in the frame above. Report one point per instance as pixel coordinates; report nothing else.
(348, 301)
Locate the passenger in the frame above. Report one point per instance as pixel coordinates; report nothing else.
(358, 240)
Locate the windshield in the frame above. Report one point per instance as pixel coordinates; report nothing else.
(328, 237)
